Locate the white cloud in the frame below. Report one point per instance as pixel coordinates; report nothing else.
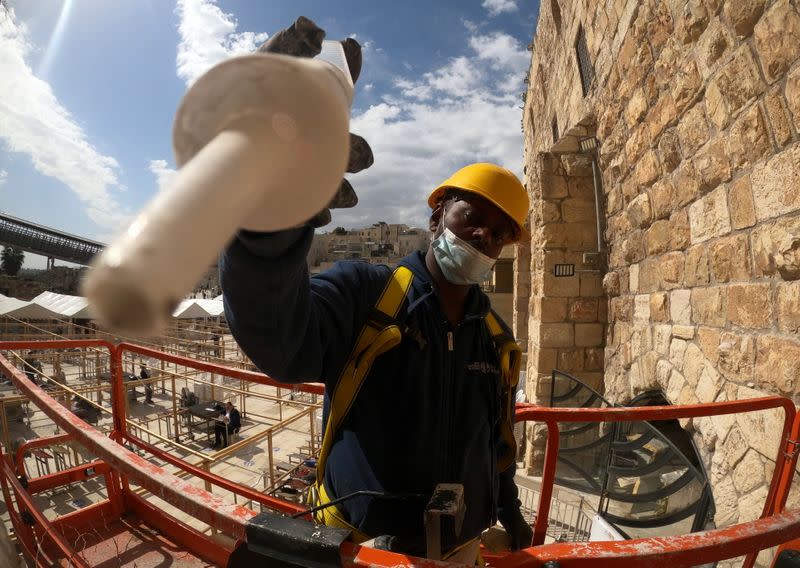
(33, 122)
(209, 36)
(502, 50)
(164, 174)
(495, 7)
(3, 177)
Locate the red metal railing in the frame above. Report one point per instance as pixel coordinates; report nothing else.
(775, 526)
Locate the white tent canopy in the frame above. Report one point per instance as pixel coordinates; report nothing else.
(49, 305)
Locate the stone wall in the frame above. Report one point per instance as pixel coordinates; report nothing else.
(696, 108)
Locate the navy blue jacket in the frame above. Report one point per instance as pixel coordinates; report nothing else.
(428, 412)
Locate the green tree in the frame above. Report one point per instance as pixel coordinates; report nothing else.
(11, 260)
(340, 231)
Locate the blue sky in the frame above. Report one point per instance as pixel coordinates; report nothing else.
(90, 88)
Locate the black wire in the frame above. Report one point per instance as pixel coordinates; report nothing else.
(381, 494)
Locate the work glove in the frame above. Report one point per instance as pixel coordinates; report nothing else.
(519, 531)
(304, 39)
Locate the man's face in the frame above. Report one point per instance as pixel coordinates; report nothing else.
(477, 221)
(229, 406)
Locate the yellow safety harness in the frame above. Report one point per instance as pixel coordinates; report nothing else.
(379, 334)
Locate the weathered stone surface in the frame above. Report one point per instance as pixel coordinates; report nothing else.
(708, 385)
(680, 232)
(726, 503)
(637, 144)
(749, 474)
(637, 107)
(661, 198)
(639, 211)
(776, 37)
(556, 335)
(683, 331)
(709, 217)
(554, 187)
(751, 505)
(708, 338)
(593, 360)
(675, 385)
(671, 269)
(641, 308)
(662, 336)
(713, 46)
(659, 307)
(792, 93)
(696, 272)
(578, 210)
(748, 139)
(657, 238)
(611, 284)
(777, 367)
(550, 212)
(549, 309)
(633, 278)
(778, 116)
(708, 306)
(749, 305)
(649, 275)
(738, 82)
(591, 285)
(583, 309)
(647, 169)
(737, 357)
(686, 85)
(693, 129)
(775, 249)
(589, 334)
(661, 115)
(677, 350)
(712, 165)
(570, 359)
(692, 21)
(789, 307)
(770, 182)
(686, 186)
(693, 364)
(742, 208)
(735, 447)
(730, 258)
(669, 151)
(743, 15)
(680, 306)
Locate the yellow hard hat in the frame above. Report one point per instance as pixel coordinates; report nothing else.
(498, 185)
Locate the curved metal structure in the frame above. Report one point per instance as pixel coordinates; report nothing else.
(46, 241)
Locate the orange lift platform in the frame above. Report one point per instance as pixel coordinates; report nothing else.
(128, 530)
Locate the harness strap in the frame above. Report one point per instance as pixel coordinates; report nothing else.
(378, 335)
(510, 356)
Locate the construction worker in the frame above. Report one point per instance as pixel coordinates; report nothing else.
(431, 409)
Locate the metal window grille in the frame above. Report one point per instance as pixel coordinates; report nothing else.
(555, 129)
(584, 62)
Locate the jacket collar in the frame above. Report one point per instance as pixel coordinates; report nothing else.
(424, 288)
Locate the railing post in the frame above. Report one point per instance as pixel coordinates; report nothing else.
(548, 476)
(117, 392)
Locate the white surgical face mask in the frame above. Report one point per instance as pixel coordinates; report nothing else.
(459, 261)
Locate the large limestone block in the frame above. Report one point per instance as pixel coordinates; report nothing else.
(677, 353)
(778, 115)
(775, 248)
(680, 232)
(742, 208)
(661, 115)
(708, 306)
(589, 334)
(708, 338)
(749, 474)
(693, 130)
(776, 184)
(686, 85)
(583, 309)
(647, 170)
(750, 305)
(713, 46)
(712, 165)
(777, 367)
(556, 335)
(550, 309)
(709, 216)
(694, 363)
(696, 271)
(726, 502)
(789, 307)
(748, 139)
(792, 93)
(752, 504)
(649, 275)
(692, 21)
(680, 306)
(685, 185)
(777, 37)
(737, 357)
(657, 237)
(730, 258)
(669, 150)
(641, 309)
(743, 15)
(738, 82)
(671, 269)
(659, 307)
(661, 198)
(761, 429)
